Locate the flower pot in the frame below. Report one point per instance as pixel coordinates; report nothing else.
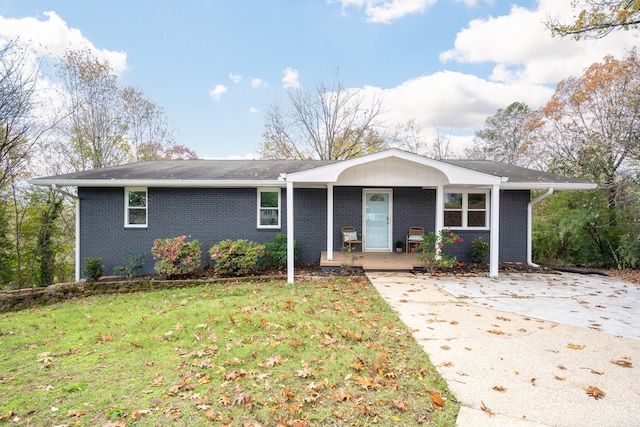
(399, 250)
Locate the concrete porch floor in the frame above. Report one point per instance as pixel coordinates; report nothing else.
(372, 261)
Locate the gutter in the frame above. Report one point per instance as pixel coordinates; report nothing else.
(530, 224)
(77, 199)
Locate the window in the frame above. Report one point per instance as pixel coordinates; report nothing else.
(135, 206)
(466, 210)
(268, 208)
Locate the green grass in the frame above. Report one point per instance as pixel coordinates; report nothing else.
(329, 352)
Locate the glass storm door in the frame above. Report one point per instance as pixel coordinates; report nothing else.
(377, 230)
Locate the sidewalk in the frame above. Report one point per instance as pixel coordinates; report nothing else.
(526, 370)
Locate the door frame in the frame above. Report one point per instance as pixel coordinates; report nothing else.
(389, 192)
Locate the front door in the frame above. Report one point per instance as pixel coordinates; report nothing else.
(377, 220)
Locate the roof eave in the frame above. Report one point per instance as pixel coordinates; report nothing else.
(166, 183)
(546, 185)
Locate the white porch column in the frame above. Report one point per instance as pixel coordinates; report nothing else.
(329, 222)
(439, 208)
(290, 236)
(494, 248)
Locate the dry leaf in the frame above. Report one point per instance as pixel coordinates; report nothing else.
(593, 371)
(559, 378)
(595, 392)
(486, 409)
(7, 415)
(75, 414)
(445, 347)
(399, 404)
(453, 322)
(436, 398)
(623, 363)
(561, 367)
(496, 332)
(575, 346)
(499, 388)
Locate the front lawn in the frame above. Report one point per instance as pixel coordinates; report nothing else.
(328, 352)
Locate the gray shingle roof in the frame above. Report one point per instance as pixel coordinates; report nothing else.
(252, 171)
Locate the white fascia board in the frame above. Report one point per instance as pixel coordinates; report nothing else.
(558, 186)
(168, 183)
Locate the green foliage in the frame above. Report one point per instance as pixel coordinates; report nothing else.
(432, 250)
(45, 246)
(236, 258)
(399, 244)
(176, 255)
(479, 250)
(134, 263)
(275, 252)
(7, 255)
(93, 268)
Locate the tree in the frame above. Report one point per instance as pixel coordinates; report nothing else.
(408, 137)
(330, 123)
(94, 134)
(598, 18)
(148, 130)
(17, 85)
(590, 128)
(506, 137)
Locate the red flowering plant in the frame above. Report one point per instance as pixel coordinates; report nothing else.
(176, 256)
(432, 250)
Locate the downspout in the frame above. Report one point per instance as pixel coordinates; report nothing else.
(530, 225)
(77, 199)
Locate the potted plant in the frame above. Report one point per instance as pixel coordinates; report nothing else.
(399, 246)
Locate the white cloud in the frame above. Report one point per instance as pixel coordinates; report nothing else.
(385, 11)
(253, 110)
(256, 83)
(53, 37)
(235, 77)
(290, 79)
(216, 92)
(523, 50)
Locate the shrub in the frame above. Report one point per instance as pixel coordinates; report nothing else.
(176, 255)
(275, 252)
(235, 258)
(135, 262)
(432, 249)
(93, 268)
(479, 250)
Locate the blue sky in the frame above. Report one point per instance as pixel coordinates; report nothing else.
(216, 65)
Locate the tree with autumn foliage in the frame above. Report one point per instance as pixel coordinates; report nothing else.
(330, 123)
(506, 136)
(590, 130)
(598, 18)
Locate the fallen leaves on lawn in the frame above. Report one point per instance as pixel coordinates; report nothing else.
(7, 415)
(399, 404)
(75, 414)
(436, 398)
(595, 392)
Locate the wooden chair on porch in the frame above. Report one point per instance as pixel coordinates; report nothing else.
(350, 238)
(414, 237)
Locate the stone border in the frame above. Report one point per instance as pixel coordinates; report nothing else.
(21, 299)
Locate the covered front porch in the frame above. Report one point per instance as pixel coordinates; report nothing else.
(372, 261)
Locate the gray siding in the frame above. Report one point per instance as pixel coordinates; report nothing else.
(513, 230)
(211, 215)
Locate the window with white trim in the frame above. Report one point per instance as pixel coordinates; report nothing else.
(135, 207)
(466, 209)
(268, 208)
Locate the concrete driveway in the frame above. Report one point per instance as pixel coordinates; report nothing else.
(527, 349)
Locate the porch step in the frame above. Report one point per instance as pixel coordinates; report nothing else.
(372, 261)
